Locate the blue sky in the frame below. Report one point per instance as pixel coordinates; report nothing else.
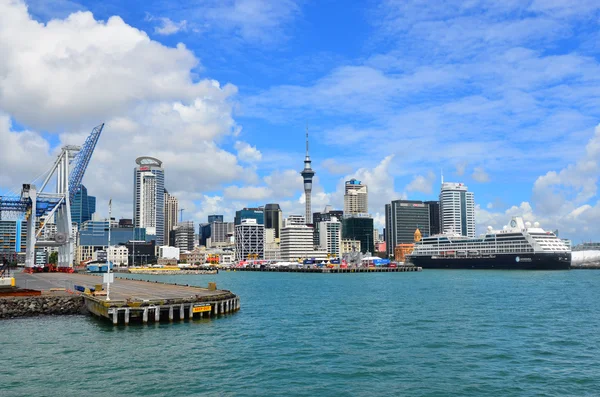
(502, 96)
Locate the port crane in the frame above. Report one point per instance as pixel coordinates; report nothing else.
(35, 203)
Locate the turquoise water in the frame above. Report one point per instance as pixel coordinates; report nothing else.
(434, 333)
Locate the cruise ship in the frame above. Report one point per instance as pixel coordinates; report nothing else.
(518, 245)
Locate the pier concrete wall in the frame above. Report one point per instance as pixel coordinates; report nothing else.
(30, 306)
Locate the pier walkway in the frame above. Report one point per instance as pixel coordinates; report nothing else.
(135, 299)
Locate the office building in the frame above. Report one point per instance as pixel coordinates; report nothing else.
(203, 234)
(171, 213)
(330, 234)
(95, 233)
(149, 197)
(356, 198)
(457, 209)
(82, 206)
(249, 240)
(307, 176)
(273, 218)
(350, 246)
(250, 213)
(125, 223)
(326, 215)
(184, 236)
(215, 218)
(294, 220)
(13, 239)
(220, 234)
(359, 228)
(296, 242)
(434, 217)
(402, 218)
(141, 253)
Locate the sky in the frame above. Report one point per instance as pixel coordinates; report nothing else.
(502, 96)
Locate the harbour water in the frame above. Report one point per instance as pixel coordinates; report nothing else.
(433, 333)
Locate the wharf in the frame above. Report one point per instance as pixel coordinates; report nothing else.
(398, 269)
(136, 300)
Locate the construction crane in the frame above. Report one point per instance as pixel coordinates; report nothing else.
(34, 203)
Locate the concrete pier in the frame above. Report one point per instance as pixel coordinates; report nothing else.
(134, 300)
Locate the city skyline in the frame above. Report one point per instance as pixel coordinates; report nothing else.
(506, 109)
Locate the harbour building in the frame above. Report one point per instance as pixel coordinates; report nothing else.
(356, 198)
(402, 219)
(82, 206)
(149, 197)
(457, 209)
(171, 212)
(249, 240)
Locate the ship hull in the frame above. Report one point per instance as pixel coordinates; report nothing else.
(538, 261)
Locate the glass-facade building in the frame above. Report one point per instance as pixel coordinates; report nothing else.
(359, 228)
(273, 218)
(82, 206)
(250, 213)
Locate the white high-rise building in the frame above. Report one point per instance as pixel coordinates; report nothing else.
(330, 236)
(356, 198)
(249, 240)
(294, 220)
(296, 242)
(149, 197)
(457, 209)
(171, 210)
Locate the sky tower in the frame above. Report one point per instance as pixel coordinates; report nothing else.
(307, 173)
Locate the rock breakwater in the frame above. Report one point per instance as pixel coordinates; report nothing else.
(13, 307)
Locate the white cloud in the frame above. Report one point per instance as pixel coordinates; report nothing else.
(423, 184)
(247, 193)
(168, 27)
(335, 167)
(23, 155)
(80, 70)
(461, 168)
(247, 153)
(480, 175)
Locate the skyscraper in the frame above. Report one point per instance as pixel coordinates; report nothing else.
(356, 198)
(307, 173)
(273, 218)
(83, 206)
(457, 209)
(149, 197)
(402, 218)
(171, 210)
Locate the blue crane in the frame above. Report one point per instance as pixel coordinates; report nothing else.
(33, 203)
